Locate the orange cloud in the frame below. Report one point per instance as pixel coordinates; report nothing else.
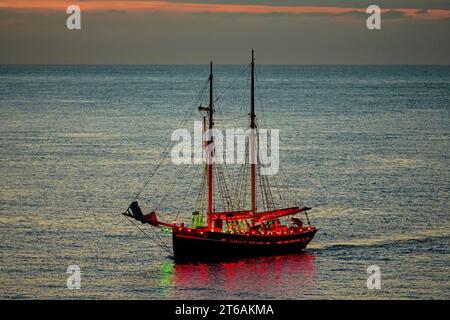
(165, 6)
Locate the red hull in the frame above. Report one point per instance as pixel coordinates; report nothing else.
(192, 244)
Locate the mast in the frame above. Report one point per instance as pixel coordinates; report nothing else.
(210, 152)
(253, 135)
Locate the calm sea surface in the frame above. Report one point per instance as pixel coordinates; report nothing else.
(367, 147)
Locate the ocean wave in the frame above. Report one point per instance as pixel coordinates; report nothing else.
(430, 235)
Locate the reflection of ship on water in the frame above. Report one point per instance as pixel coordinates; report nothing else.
(247, 278)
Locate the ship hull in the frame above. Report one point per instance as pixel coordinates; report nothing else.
(191, 245)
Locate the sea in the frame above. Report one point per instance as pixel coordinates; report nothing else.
(366, 147)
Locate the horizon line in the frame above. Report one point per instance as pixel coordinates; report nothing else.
(223, 64)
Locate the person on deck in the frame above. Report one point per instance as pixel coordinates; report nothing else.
(297, 222)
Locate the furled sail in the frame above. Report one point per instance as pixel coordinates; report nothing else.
(258, 217)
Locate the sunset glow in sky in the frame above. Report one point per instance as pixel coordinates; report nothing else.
(324, 31)
(190, 7)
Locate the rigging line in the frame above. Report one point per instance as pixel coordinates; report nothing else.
(226, 192)
(201, 196)
(285, 198)
(258, 173)
(219, 96)
(162, 241)
(290, 186)
(269, 190)
(258, 169)
(245, 178)
(221, 169)
(148, 236)
(265, 190)
(247, 83)
(166, 150)
(179, 173)
(228, 184)
(265, 178)
(220, 116)
(277, 182)
(263, 195)
(182, 172)
(259, 87)
(201, 189)
(236, 187)
(220, 188)
(187, 191)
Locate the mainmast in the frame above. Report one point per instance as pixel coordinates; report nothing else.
(210, 149)
(253, 136)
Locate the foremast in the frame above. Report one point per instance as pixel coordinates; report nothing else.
(210, 149)
(253, 137)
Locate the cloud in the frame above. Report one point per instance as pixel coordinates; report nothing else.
(356, 14)
(436, 8)
(386, 4)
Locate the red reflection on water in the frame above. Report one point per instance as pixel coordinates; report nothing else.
(289, 276)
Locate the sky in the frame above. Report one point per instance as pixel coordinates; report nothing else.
(196, 31)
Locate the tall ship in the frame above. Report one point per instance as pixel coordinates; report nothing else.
(242, 230)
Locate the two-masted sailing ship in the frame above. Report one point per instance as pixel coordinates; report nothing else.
(237, 232)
